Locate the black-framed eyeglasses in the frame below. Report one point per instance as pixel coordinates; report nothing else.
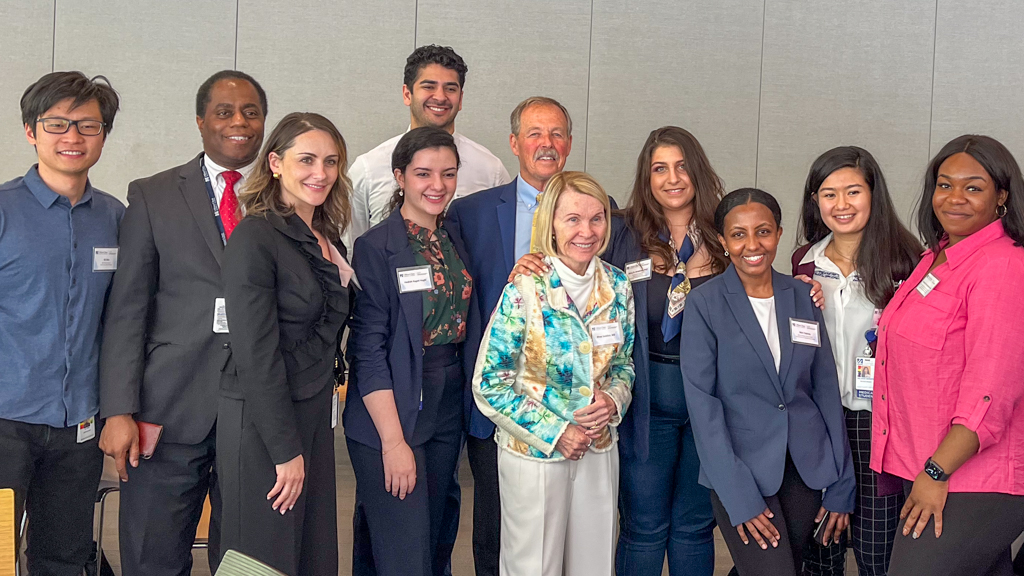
(62, 125)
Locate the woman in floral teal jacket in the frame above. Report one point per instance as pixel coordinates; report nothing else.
(554, 374)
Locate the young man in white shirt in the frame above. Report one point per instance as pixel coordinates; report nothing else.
(434, 79)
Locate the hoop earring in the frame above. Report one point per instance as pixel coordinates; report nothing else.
(277, 176)
(726, 253)
(401, 192)
(1002, 212)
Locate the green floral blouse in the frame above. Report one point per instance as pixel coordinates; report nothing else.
(446, 307)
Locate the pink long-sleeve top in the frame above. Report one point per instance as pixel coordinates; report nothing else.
(955, 356)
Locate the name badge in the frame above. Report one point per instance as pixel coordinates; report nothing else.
(926, 285)
(865, 377)
(87, 430)
(335, 399)
(415, 279)
(606, 334)
(804, 332)
(639, 271)
(220, 316)
(104, 259)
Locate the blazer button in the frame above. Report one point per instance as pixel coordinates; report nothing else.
(782, 407)
(584, 347)
(226, 345)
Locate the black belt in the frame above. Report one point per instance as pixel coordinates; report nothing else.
(441, 355)
(663, 358)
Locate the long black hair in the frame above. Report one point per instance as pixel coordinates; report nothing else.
(422, 138)
(888, 252)
(1001, 167)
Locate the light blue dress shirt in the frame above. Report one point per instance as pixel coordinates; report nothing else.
(51, 300)
(526, 205)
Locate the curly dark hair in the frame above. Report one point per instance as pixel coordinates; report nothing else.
(434, 54)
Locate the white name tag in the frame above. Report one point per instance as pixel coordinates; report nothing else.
(638, 271)
(865, 377)
(926, 285)
(87, 430)
(220, 316)
(415, 279)
(804, 332)
(606, 334)
(335, 399)
(104, 259)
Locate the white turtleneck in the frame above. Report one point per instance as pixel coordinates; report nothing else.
(577, 287)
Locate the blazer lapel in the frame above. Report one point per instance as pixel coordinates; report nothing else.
(193, 188)
(507, 223)
(785, 308)
(402, 257)
(744, 313)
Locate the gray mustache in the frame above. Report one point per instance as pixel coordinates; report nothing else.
(546, 152)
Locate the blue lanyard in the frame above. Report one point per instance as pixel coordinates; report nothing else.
(213, 201)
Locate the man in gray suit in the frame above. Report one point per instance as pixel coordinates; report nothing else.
(163, 349)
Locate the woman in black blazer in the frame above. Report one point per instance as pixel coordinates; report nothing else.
(404, 410)
(285, 286)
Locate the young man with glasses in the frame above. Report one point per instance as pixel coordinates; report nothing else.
(58, 253)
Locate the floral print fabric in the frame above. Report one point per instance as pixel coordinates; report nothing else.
(446, 306)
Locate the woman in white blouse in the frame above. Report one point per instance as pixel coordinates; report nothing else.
(859, 250)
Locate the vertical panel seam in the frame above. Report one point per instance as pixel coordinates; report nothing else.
(760, 84)
(235, 66)
(590, 63)
(416, 25)
(931, 103)
(53, 43)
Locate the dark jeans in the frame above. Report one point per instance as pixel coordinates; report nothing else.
(55, 478)
(794, 506)
(662, 508)
(483, 461)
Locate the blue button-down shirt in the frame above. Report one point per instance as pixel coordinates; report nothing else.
(526, 205)
(51, 300)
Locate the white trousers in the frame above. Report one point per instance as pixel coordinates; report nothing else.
(558, 518)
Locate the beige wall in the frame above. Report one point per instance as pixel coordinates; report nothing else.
(766, 85)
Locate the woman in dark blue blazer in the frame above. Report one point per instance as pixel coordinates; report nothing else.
(404, 411)
(763, 398)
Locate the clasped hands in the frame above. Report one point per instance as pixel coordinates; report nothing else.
(591, 420)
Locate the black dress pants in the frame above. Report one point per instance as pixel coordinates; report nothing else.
(55, 479)
(795, 505)
(161, 504)
(304, 540)
(483, 461)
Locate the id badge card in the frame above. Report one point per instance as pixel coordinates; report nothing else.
(865, 377)
(606, 334)
(86, 430)
(415, 279)
(335, 401)
(220, 317)
(104, 259)
(639, 271)
(927, 285)
(805, 332)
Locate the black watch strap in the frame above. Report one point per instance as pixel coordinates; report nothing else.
(932, 469)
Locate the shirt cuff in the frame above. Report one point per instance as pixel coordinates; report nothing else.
(973, 422)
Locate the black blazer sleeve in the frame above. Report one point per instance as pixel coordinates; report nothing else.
(123, 352)
(250, 291)
(371, 319)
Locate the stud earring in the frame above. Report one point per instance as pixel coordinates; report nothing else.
(401, 192)
(277, 176)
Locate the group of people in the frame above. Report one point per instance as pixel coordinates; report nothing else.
(622, 380)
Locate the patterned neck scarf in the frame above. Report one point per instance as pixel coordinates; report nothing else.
(672, 321)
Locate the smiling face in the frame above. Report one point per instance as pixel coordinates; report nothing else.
(232, 127)
(751, 238)
(308, 170)
(579, 226)
(542, 145)
(966, 198)
(844, 200)
(435, 98)
(670, 182)
(428, 184)
(70, 153)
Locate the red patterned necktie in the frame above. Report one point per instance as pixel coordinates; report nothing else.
(229, 202)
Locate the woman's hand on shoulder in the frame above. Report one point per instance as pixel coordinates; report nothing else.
(530, 263)
(573, 443)
(399, 470)
(817, 295)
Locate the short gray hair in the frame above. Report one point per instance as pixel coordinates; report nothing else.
(517, 114)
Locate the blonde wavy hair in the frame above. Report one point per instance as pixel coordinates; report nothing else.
(262, 192)
(543, 220)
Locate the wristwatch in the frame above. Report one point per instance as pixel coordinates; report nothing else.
(932, 469)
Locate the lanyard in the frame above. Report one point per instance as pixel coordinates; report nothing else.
(213, 201)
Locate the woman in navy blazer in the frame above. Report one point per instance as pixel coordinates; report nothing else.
(763, 398)
(404, 411)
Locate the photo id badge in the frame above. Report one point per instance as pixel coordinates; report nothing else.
(639, 271)
(415, 279)
(104, 259)
(804, 332)
(606, 334)
(865, 377)
(220, 316)
(335, 399)
(926, 285)
(87, 430)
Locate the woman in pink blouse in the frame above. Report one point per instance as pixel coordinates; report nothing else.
(949, 373)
